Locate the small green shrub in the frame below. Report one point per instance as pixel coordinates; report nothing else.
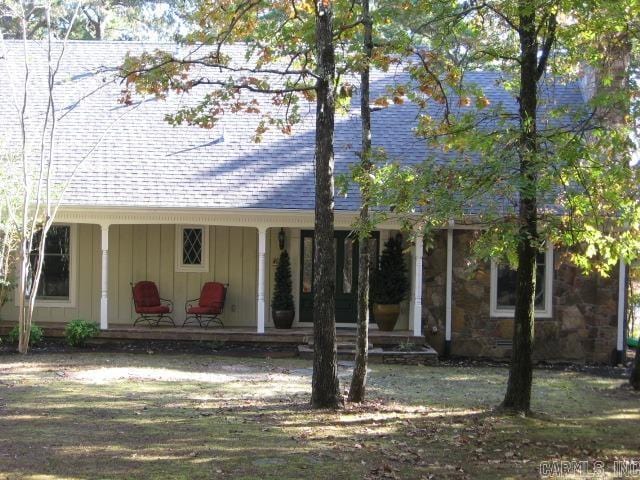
(34, 338)
(78, 331)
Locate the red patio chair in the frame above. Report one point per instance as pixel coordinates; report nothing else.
(149, 306)
(209, 307)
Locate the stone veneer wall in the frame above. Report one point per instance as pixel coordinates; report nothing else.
(583, 327)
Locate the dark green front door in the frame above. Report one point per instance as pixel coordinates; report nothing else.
(346, 247)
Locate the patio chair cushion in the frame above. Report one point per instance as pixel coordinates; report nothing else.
(213, 310)
(212, 297)
(146, 294)
(155, 310)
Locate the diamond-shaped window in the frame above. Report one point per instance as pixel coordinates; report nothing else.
(192, 246)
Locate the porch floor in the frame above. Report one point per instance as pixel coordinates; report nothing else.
(296, 335)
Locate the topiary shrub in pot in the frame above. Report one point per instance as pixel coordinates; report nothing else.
(390, 284)
(282, 308)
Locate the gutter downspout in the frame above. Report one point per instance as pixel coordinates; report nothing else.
(449, 290)
(622, 314)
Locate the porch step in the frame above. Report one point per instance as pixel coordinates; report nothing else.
(376, 338)
(342, 344)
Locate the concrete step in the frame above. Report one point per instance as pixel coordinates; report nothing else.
(351, 345)
(347, 347)
(376, 337)
(340, 339)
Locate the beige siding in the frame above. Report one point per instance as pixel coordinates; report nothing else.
(85, 298)
(146, 252)
(87, 263)
(120, 253)
(271, 257)
(167, 269)
(96, 277)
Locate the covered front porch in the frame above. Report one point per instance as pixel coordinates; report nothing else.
(110, 249)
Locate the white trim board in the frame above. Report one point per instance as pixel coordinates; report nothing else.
(71, 302)
(204, 254)
(449, 286)
(237, 217)
(240, 217)
(546, 312)
(622, 285)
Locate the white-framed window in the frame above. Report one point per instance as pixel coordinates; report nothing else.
(58, 280)
(503, 287)
(192, 248)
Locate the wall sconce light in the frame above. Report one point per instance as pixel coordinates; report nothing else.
(281, 239)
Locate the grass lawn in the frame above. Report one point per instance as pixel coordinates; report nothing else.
(98, 415)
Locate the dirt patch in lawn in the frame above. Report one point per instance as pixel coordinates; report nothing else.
(183, 416)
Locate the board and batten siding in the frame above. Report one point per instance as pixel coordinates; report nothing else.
(147, 252)
(87, 284)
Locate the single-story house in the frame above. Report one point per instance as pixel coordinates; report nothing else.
(183, 205)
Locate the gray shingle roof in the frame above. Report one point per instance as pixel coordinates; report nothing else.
(139, 160)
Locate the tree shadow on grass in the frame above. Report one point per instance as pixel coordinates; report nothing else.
(261, 426)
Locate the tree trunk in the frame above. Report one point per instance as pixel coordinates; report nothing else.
(518, 396)
(325, 388)
(24, 320)
(635, 373)
(94, 23)
(24, 324)
(359, 379)
(97, 28)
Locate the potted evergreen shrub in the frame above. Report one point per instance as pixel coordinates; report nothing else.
(282, 309)
(390, 285)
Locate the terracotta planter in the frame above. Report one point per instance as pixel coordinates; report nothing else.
(386, 316)
(283, 318)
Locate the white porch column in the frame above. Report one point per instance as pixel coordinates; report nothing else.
(416, 288)
(262, 250)
(622, 284)
(294, 253)
(104, 294)
(449, 290)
